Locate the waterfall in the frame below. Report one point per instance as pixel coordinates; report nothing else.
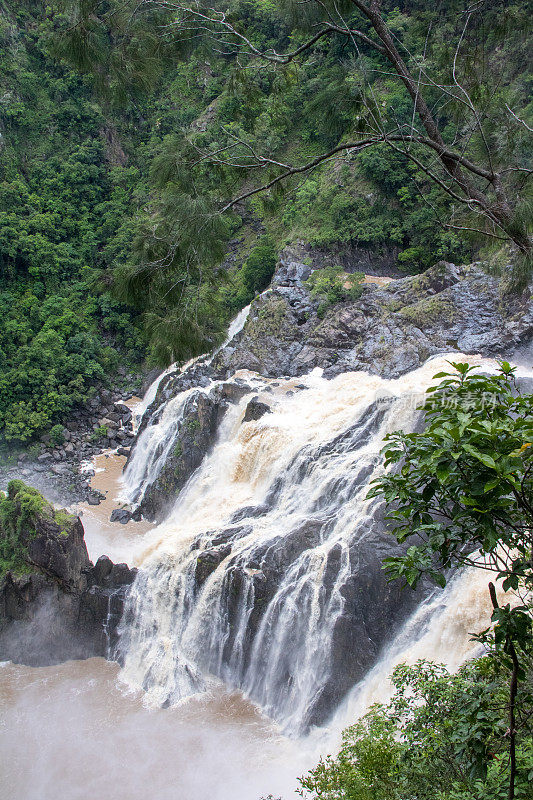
(156, 440)
(269, 548)
(140, 409)
(440, 630)
(152, 447)
(236, 326)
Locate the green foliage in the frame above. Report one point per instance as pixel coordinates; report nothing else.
(332, 285)
(254, 276)
(463, 485)
(18, 511)
(64, 521)
(110, 196)
(212, 121)
(60, 206)
(171, 275)
(193, 424)
(99, 433)
(375, 203)
(57, 436)
(259, 267)
(441, 737)
(130, 50)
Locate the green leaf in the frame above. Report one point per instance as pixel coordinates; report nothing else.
(485, 459)
(443, 472)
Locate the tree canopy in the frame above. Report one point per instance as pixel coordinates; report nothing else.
(440, 737)
(118, 186)
(430, 90)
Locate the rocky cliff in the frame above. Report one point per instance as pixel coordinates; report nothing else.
(269, 572)
(391, 329)
(287, 599)
(54, 603)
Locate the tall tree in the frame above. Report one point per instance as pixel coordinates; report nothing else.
(463, 127)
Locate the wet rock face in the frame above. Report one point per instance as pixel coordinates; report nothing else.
(62, 607)
(258, 580)
(390, 330)
(372, 607)
(255, 410)
(121, 515)
(195, 437)
(59, 550)
(208, 561)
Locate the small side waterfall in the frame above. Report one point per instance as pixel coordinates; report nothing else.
(156, 440)
(235, 327)
(266, 574)
(152, 447)
(150, 394)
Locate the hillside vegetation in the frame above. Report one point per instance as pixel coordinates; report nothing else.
(113, 175)
(63, 193)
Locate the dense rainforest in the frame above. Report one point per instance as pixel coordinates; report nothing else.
(120, 136)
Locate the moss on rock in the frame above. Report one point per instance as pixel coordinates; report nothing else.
(19, 511)
(427, 311)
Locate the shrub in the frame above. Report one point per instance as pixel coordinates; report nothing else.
(99, 433)
(441, 736)
(56, 435)
(332, 285)
(258, 269)
(17, 516)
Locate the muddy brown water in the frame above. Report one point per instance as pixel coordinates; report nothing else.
(73, 731)
(102, 536)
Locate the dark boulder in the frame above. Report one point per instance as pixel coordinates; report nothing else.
(122, 410)
(249, 511)
(101, 570)
(121, 515)
(255, 410)
(208, 561)
(234, 391)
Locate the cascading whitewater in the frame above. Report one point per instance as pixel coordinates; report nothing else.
(247, 578)
(156, 440)
(152, 447)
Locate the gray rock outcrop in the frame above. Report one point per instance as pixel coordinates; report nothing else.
(54, 603)
(389, 330)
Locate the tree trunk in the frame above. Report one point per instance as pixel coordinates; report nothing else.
(501, 212)
(513, 689)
